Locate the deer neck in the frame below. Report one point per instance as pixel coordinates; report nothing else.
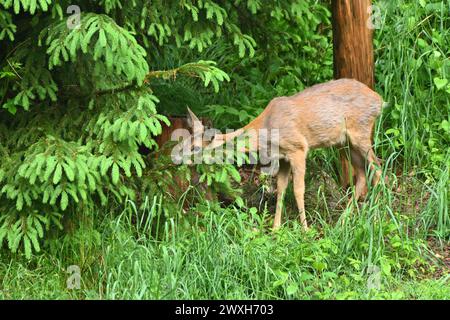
(250, 146)
(251, 128)
(230, 136)
(253, 125)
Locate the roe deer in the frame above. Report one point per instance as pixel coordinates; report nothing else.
(335, 113)
(179, 184)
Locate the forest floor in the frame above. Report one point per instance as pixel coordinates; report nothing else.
(227, 252)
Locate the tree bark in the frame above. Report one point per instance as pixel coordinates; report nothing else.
(353, 54)
(352, 41)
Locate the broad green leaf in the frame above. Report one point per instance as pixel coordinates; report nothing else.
(440, 83)
(292, 289)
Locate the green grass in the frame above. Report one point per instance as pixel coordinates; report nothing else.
(231, 254)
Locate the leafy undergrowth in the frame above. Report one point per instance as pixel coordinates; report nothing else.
(231, 253)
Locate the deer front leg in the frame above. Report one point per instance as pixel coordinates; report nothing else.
(298, 163)
(282, 183)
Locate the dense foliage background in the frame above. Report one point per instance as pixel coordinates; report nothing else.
(76, 105)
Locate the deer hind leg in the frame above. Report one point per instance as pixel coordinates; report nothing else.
(298, 163)
(282, 182)
(363, 150)
(358, 163)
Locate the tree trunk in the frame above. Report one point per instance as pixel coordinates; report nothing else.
(352, 40)
(353, 52)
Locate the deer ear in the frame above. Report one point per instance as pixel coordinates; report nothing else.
(193, 121)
